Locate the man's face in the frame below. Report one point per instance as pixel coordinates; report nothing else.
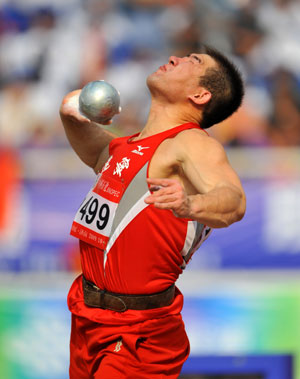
(179, 78)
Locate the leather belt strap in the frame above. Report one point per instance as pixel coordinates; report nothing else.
(97, 298)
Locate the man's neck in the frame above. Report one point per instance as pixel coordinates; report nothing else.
(163, 117)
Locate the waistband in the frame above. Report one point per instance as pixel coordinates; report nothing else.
(97, 298)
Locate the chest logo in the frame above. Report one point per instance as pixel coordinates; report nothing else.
(121, 165)
(139, 150)
(107, 165)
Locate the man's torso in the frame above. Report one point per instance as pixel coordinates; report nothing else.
(165, 162)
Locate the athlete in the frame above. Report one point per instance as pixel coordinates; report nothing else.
(157, 196)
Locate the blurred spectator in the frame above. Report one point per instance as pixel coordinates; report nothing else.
(285, 121)
(17, 116)
(281, 21)
(48, 48)
(249, 125)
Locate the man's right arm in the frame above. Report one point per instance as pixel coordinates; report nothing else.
(88, 139)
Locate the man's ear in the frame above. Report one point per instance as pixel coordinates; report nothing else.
(200, 98)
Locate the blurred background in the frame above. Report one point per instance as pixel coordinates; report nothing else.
(242, 288)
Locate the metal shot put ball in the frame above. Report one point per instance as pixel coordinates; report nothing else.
(99, 101)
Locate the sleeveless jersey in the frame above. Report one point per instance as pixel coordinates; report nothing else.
(126, 245)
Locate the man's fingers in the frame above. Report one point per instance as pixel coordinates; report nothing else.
(168, 194)
(161, 182)
(166, 205)
(162, 194)
(158, 190)
(70, 107)
(155, 188)
(161, 199)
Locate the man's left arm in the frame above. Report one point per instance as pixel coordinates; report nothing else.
(219, 200)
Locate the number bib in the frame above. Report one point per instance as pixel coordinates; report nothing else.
(93, 220)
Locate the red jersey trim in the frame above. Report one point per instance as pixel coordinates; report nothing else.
(175, 130)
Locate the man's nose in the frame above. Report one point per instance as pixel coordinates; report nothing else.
(174, 60)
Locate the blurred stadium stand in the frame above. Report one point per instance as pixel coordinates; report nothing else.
(242, 287)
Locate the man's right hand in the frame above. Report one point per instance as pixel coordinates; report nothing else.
(70, 108)
(86, 137)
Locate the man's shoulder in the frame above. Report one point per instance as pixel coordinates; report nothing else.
(188, 134)
(197, 141)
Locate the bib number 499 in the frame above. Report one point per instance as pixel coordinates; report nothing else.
(94, 219)
(91, 209)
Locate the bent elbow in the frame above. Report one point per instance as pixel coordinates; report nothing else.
(236, 216)
(240, 213)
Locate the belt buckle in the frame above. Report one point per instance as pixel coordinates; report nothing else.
(93, 295)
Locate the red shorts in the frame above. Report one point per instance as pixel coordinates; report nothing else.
(154, 349)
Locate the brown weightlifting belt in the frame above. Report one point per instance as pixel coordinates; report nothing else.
(97, 298)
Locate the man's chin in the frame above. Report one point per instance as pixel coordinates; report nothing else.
(152, 79)
(149, 80)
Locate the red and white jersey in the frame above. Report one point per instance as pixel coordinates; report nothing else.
(126, 245)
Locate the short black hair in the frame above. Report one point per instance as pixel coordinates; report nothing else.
(226, 86)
